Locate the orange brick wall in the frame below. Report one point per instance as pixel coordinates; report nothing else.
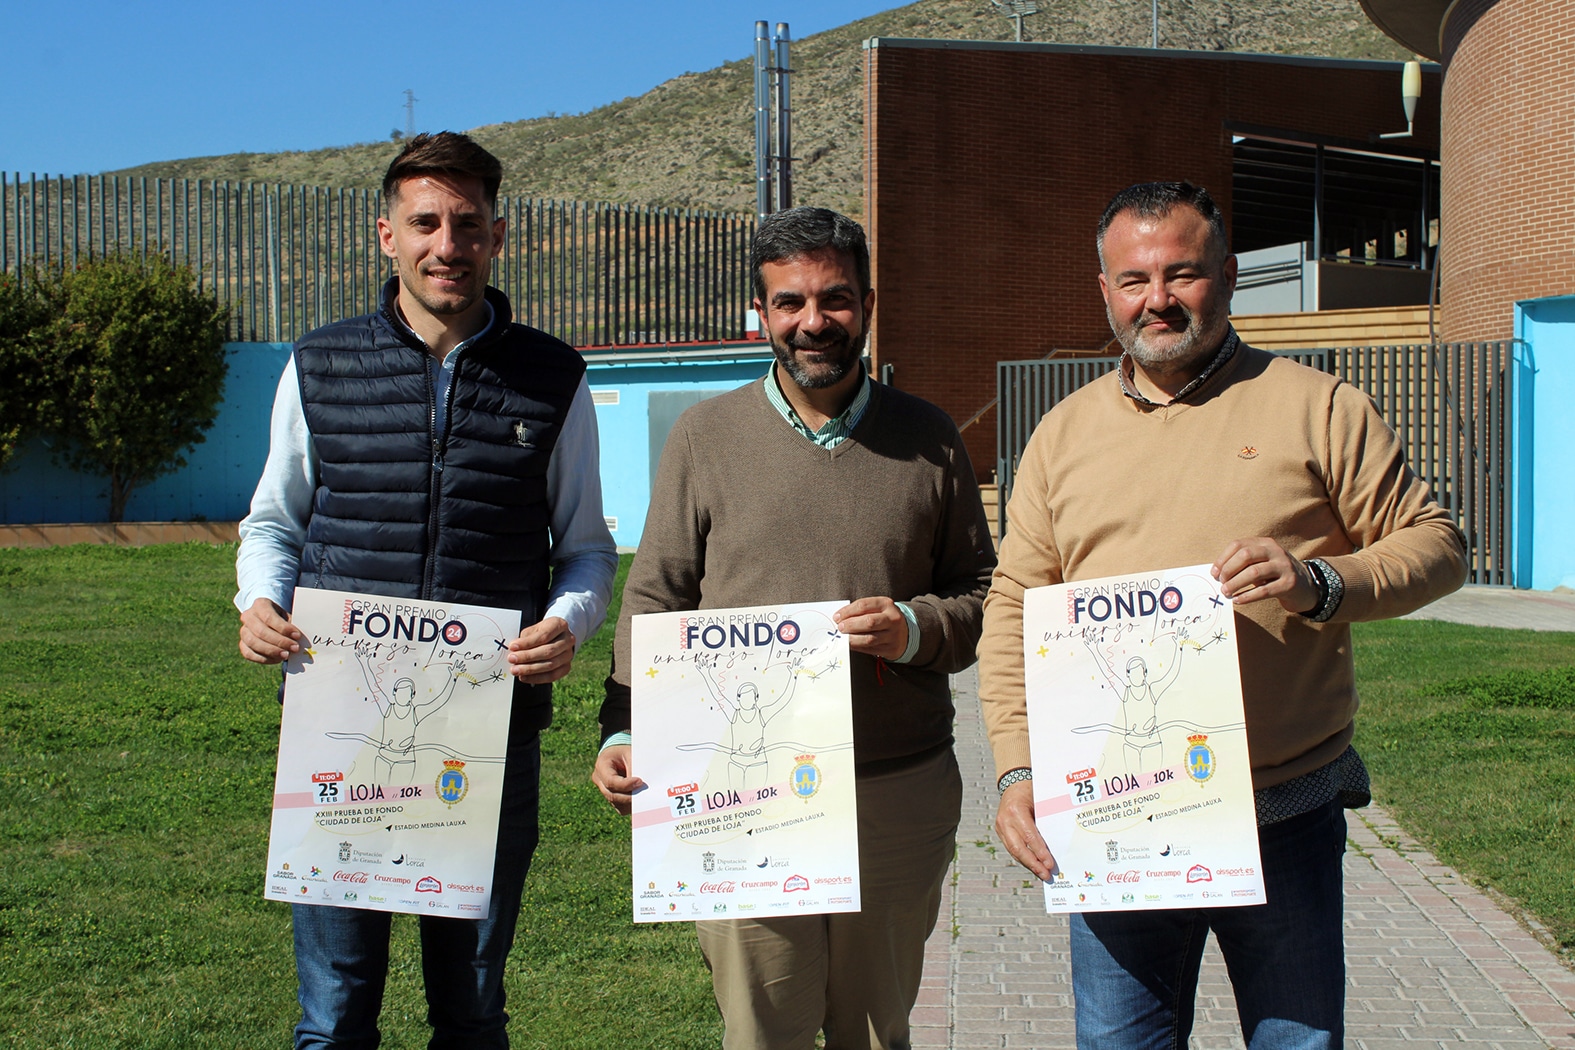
(988, 169)
(1508, 151)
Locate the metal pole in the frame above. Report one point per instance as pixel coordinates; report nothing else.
(1156, 24)
(762, 122)
(784, 150)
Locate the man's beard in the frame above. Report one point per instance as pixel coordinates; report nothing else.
(1180, 352)
(839, 352)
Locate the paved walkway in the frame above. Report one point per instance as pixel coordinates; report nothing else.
(1430, 960)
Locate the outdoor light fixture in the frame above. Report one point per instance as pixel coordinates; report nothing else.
(1410, 91)
(1017, 10)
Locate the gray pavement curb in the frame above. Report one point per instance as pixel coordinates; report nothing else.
(1430, 960)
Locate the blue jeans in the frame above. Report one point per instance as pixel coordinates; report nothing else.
(1135, 974)
(341, 954)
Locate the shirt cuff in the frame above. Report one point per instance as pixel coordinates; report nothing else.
(913, 634)
(617, 740)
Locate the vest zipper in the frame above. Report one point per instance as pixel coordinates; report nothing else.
(439, 446)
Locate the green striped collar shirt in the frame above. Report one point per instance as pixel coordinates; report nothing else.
(836, 430)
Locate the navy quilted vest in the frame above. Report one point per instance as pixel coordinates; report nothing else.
(460, 516)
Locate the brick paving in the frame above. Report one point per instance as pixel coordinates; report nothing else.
(1430, 960)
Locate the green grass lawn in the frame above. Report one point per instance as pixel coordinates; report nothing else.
(136, 770)
(136, 775)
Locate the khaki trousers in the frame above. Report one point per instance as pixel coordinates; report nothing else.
(856, 976)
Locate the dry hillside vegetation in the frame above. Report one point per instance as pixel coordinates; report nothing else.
(689, 143)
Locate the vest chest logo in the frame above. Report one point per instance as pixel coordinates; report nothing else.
(523, 437)
(1248, 452)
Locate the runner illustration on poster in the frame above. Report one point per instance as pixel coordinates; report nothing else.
(743, 728)
(391, 756)
(1142, 783)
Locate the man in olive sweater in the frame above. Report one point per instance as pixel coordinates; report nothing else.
(1201, 449)
(817, 484)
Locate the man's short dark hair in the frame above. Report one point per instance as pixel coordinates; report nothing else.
(445, 153)
(1154, 200)
(800, 231)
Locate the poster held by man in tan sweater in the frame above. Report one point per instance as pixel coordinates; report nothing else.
(1292, 488)
(1142, 781)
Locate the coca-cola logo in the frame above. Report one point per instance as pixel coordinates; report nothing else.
(350, 876)
(719, 887)
(1123, 876)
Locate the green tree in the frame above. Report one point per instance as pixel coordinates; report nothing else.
(134, 357)
(24, 313)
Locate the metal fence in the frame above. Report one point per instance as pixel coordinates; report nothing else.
(1451, 405)
(286, 258)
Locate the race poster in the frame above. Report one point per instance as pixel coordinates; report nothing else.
(391, 752)
(743, 734)
(1142, 784)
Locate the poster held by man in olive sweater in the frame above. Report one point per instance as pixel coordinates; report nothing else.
(744, 723)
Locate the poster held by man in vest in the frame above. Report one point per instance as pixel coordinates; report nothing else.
(1142, 784)
(742, 721)
(391, 755)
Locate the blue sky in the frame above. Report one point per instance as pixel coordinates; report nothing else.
(94, 85)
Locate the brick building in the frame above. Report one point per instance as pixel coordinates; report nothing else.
(1508, 148)
(988, 165)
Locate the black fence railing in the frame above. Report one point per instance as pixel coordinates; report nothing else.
(1451, 404)
(288, 258)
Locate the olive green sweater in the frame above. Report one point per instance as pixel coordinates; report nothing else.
(1265, 447)
(745, 511)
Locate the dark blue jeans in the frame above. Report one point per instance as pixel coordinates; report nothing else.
(341, 954)
(1135, 974)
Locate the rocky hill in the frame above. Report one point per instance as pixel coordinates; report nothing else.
(690, 142)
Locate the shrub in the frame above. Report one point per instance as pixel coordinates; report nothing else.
(132, 360)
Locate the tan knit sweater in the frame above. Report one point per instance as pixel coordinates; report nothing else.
(1266, 447)
(746, 511)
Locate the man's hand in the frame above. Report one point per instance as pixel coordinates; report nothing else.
(874, 626)
(611, 777)
(543, 652)
(1014, 823)
(1253, 569)
(267, 635)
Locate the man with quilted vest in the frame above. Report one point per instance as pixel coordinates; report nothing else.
(436, 450)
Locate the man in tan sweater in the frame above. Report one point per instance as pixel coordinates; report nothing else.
(818, 484)
(1201, 449)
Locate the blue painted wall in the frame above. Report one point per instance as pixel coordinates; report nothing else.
(1544, 435)
(217, 483)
